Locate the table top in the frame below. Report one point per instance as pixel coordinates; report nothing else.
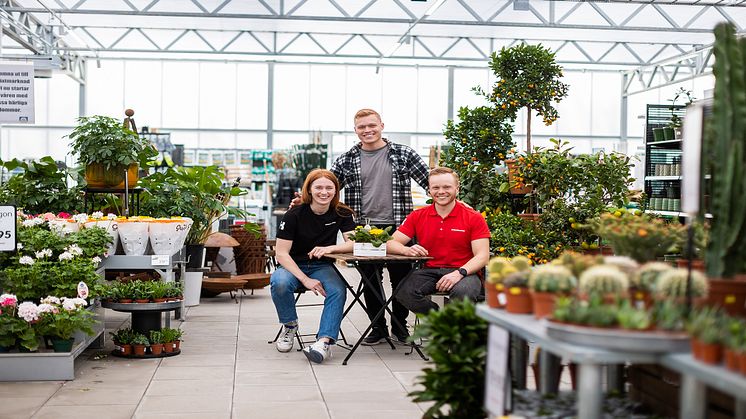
(716, 376)
(529, 328)
(349, 257)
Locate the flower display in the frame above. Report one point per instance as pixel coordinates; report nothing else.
(28, 311)
(63, 319)
(26, 260)
(371, 234)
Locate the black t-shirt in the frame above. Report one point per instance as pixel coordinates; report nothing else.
(308, 230)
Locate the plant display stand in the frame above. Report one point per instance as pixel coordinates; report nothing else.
(146, 317)
(51, 366)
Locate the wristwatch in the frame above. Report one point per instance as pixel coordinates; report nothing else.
(463, 272)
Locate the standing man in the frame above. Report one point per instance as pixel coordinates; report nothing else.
(455, 236)
(375, 175)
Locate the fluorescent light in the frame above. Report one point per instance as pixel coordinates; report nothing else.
(434, 7)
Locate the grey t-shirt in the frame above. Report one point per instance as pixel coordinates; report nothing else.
(378, 205)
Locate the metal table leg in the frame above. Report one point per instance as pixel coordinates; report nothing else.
(518, 361)
(549, 369)
(692, 399)
(615, 378)
(590, 393)
(740, 409)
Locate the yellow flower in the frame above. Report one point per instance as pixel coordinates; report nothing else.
(376, 231)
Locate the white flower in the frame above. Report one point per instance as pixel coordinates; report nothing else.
(77, 302)
(19, 246)
(29, 223)
(60, 228)
(69, 305)
(96, 260)
(28, 311)
(51, 300)
(44, 253)
(74, 250)
(111, 216)
(66, 256)
(47, 308)
(26, 260)
(80, 218)
(97, 215)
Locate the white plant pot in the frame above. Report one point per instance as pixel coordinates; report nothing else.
(134, 237)
(182, 231)
(192, 288)
(367, 249)
(111, 227)
(164, 237)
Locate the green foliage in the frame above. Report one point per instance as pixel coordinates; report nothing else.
(156, 336)
(123, 336)
(577, 263)
(552, 278)
(669, 315)
(105, 140)
(140, 339)
(593, 312)
(602, 280)
(194, 192)
(170, 335)
(512, 236)
(632, 318)
(639, 236)
(516, 279)
(457, 346)
(371, 234)
(724, 155)
(64, 323)
(672, 284)
(708, 325)
(528, 77)
(41, 187)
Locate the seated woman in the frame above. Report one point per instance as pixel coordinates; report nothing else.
(306, 233)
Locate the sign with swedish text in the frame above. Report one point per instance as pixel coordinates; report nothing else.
(16, 92)
(7, 228)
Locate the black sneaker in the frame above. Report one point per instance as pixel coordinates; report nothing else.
(374, 338)
(401, 338)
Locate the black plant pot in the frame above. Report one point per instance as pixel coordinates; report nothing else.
(194, 254)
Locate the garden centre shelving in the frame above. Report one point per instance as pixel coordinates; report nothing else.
(52, 366)
(662, 162)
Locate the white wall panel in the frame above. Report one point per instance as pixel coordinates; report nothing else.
(181, 94)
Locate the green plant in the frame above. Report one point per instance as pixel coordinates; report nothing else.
(599, 314)
(633, 318)
(734, 333)
(724, 156)
(156, 336)
(528, 76)
(669, 315)
(676, 121)
(552, 278)
(140, 339)
(123, 336)
(104, 140)
(456, 341)
(511, 236)
(577, 263)
(174, 289)
(639, 236)
(602, 280)
(171, 335)
(707, 325)
(672, 284)
(500, 267)
(142, 289)
(125, 290)
(67, 318)
(371, 234)
(194, 192)
(647, 276)
(159, 289)
(41, 186)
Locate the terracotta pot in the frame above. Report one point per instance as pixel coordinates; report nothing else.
(640, 299)
(729, 294)
(138, 350)
(160, 300)
(518, 301)
(602, 250)
(125, 301)
(156, 348)
(742, 362)
(492, 291)
(543, 303)
(142, 301)
(711, 353)
(177, 344)
(126, 349)
(731, 360)
(516, 188)
(696, 348)
(697, 264)
(168, 347)
(529, 217)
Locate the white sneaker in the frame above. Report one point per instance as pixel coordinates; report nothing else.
(286, 338)
(318, 352)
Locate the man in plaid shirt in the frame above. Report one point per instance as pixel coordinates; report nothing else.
(376, 178)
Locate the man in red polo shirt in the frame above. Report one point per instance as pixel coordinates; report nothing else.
(454, 235)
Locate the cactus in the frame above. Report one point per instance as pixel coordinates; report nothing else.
(516, 279)
(499, 267)
(646, 277)
(672, 284)
(603, 279)
(577, 262)
(724, 150)
(624, 263)
(521, 263)
(552, 278)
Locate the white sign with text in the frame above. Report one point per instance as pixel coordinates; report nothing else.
(7, 228)
(497, 374)
(16, 92)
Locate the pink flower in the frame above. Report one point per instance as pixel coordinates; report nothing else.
(8, 300)
(47, 216)
(63, 214)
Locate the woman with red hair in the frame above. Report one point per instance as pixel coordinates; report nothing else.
(306, 233)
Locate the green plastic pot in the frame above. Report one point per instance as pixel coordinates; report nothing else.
(62, 345)
(668, 134)
(658, 134)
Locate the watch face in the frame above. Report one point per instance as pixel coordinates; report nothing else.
(462, 271)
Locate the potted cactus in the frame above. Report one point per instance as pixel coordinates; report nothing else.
(498, 269)
(518, 299)
(724, 158)
(546, 283)
(671, 284)
(642, 283)
(605, 281)
(706, 329)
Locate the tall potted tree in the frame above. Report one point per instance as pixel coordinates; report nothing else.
(725, 158)
(107, 148)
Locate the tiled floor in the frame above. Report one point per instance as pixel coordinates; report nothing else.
(227, 370)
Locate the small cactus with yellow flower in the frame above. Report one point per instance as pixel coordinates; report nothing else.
(371, 234)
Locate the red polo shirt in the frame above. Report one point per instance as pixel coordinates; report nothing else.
(447, 240)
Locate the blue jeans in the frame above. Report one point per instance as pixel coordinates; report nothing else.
(283, 285)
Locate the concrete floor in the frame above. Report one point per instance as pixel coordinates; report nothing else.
(227, 370)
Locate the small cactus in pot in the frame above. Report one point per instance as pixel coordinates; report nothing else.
(672, 284)
(499, 269)
(603, 280)
(642, 282)
(546, 282)
(518, 299)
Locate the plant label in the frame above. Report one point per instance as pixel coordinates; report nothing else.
(82, 290)
(8, 228)
(159, 260)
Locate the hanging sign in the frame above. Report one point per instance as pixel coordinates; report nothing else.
(7, 228)
(16, 93)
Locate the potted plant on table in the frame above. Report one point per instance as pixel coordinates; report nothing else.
(107, 148)
(644, 280)
(156, 342)
(60, 318)
(370, 241)
(123, 340)
(139, 343)
(547, 282)
(604, 281)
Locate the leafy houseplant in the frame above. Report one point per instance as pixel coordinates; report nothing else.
(457, 344)
(139, 342)
(41, 186)
(108, 148)
(60, 319)
(639, 236)
(682, 93)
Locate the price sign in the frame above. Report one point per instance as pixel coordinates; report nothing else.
(82, 290)
(497, 376)
(159, 260)
(7, 228)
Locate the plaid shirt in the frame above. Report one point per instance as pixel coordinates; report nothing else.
(406, 164)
